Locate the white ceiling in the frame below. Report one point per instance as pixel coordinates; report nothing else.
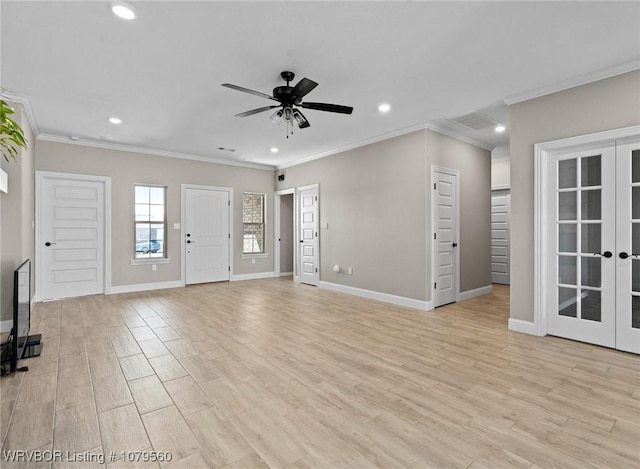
(77, 64)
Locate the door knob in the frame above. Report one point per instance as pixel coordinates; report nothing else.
(455, 245)
(606, 254)
(49, 244)
(623, 255)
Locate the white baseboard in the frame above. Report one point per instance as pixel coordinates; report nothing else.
(525, 327)
(256, 276)
(378, 296)
(145, 287)
(467, 295)
(5, 326)
(286, 274)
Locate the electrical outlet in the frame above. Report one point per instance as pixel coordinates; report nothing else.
(154, 267)
(350, 270)
(253, 261)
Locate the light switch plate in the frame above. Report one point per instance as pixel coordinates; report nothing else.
(176, 226)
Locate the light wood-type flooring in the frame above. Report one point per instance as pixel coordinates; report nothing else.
(269, 373)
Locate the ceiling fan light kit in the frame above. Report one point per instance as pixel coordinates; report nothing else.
(290, 98)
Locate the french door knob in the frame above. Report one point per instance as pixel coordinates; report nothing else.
(49, 244)
(623, 255)
(606, 254)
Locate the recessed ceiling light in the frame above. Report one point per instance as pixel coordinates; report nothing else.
(123, 10)
(274, 150)
(384, 107)
(500, 128)
(115, 120)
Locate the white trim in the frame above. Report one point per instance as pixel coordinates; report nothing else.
(183, 234)
(450, 133)
(378, 296)
(151, 151)
(257, 255)
(150, 261)
(501, 187)
(4, 181)
(146, 287)
(255, 276)
(525, 327)
(285, 274)
(541, 156)
(5, 326)
(107, 224)
(467, 295)
(572, 83)
(456, 173)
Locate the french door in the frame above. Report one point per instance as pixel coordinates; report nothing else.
(594, 244)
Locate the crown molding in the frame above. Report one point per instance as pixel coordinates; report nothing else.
(572, 83)
(26, 105)
(452, 134)
(351, 146)
(151, 151)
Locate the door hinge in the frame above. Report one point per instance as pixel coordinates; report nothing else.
(434, 235)
(434, 186)
(229, 268)
(316, 198)
(316, 234)
(229, 203)
(229, 235)
(316, 270)
(434, 285)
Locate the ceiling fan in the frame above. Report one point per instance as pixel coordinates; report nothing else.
(290, 99)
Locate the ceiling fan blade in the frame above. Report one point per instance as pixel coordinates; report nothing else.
(255, 111)
(302, 88)
(247, 90)
(327, 107)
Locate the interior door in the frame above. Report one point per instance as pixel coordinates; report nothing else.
(207, 236)
(500, 239)
(628, 246)
(71, 214)
(309, 255)
(582, 302)
(445, 236)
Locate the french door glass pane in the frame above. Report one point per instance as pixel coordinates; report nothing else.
(591, 171)
(590, 307)
(635, 203)
(635, 166)
(567, 302)
(591, 237)
(567, 205)
(567, 270)
(567, 174)
(591, 205)
(635, 312)
(635, 275)
(567, 238)
(591, 272)
(635, 238)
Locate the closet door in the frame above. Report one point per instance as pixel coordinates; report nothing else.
(628, 246)
(581, 249)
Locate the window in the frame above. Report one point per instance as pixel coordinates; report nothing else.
(150, 222)
(253, 223)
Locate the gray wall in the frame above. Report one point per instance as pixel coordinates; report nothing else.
(474, 164)
(17, 209)
(286, 233)
(376, 201)
(127, 169)
(603, 105)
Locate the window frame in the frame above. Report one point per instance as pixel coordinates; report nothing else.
(264, 252)
(147, 258)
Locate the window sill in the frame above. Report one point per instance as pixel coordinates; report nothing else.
(261, 255)
(153, 260)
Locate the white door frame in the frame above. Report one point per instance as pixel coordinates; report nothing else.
(40, 175)
(456, 173)
(277, 198)
(183, 234)
(542, 153)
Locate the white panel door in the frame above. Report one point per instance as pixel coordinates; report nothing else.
(628, 246)
(581, 245)
(445, 233)
(71, 234)
(309, 255)
(207, 236)
(500, 239)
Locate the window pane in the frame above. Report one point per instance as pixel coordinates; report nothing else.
(567, 206)
(590, 171)
(156, 195)
(591, 237)
(567, 270)
(252, 208)
(567, 238)
(156, 212)
(635, 312)
(635, 203)
(253, 238)
(591, 272)
(567, 302)
(567, 174)
(142, 194)
(142, 212)
(635, 166)
(591, 205)
(591, 308)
